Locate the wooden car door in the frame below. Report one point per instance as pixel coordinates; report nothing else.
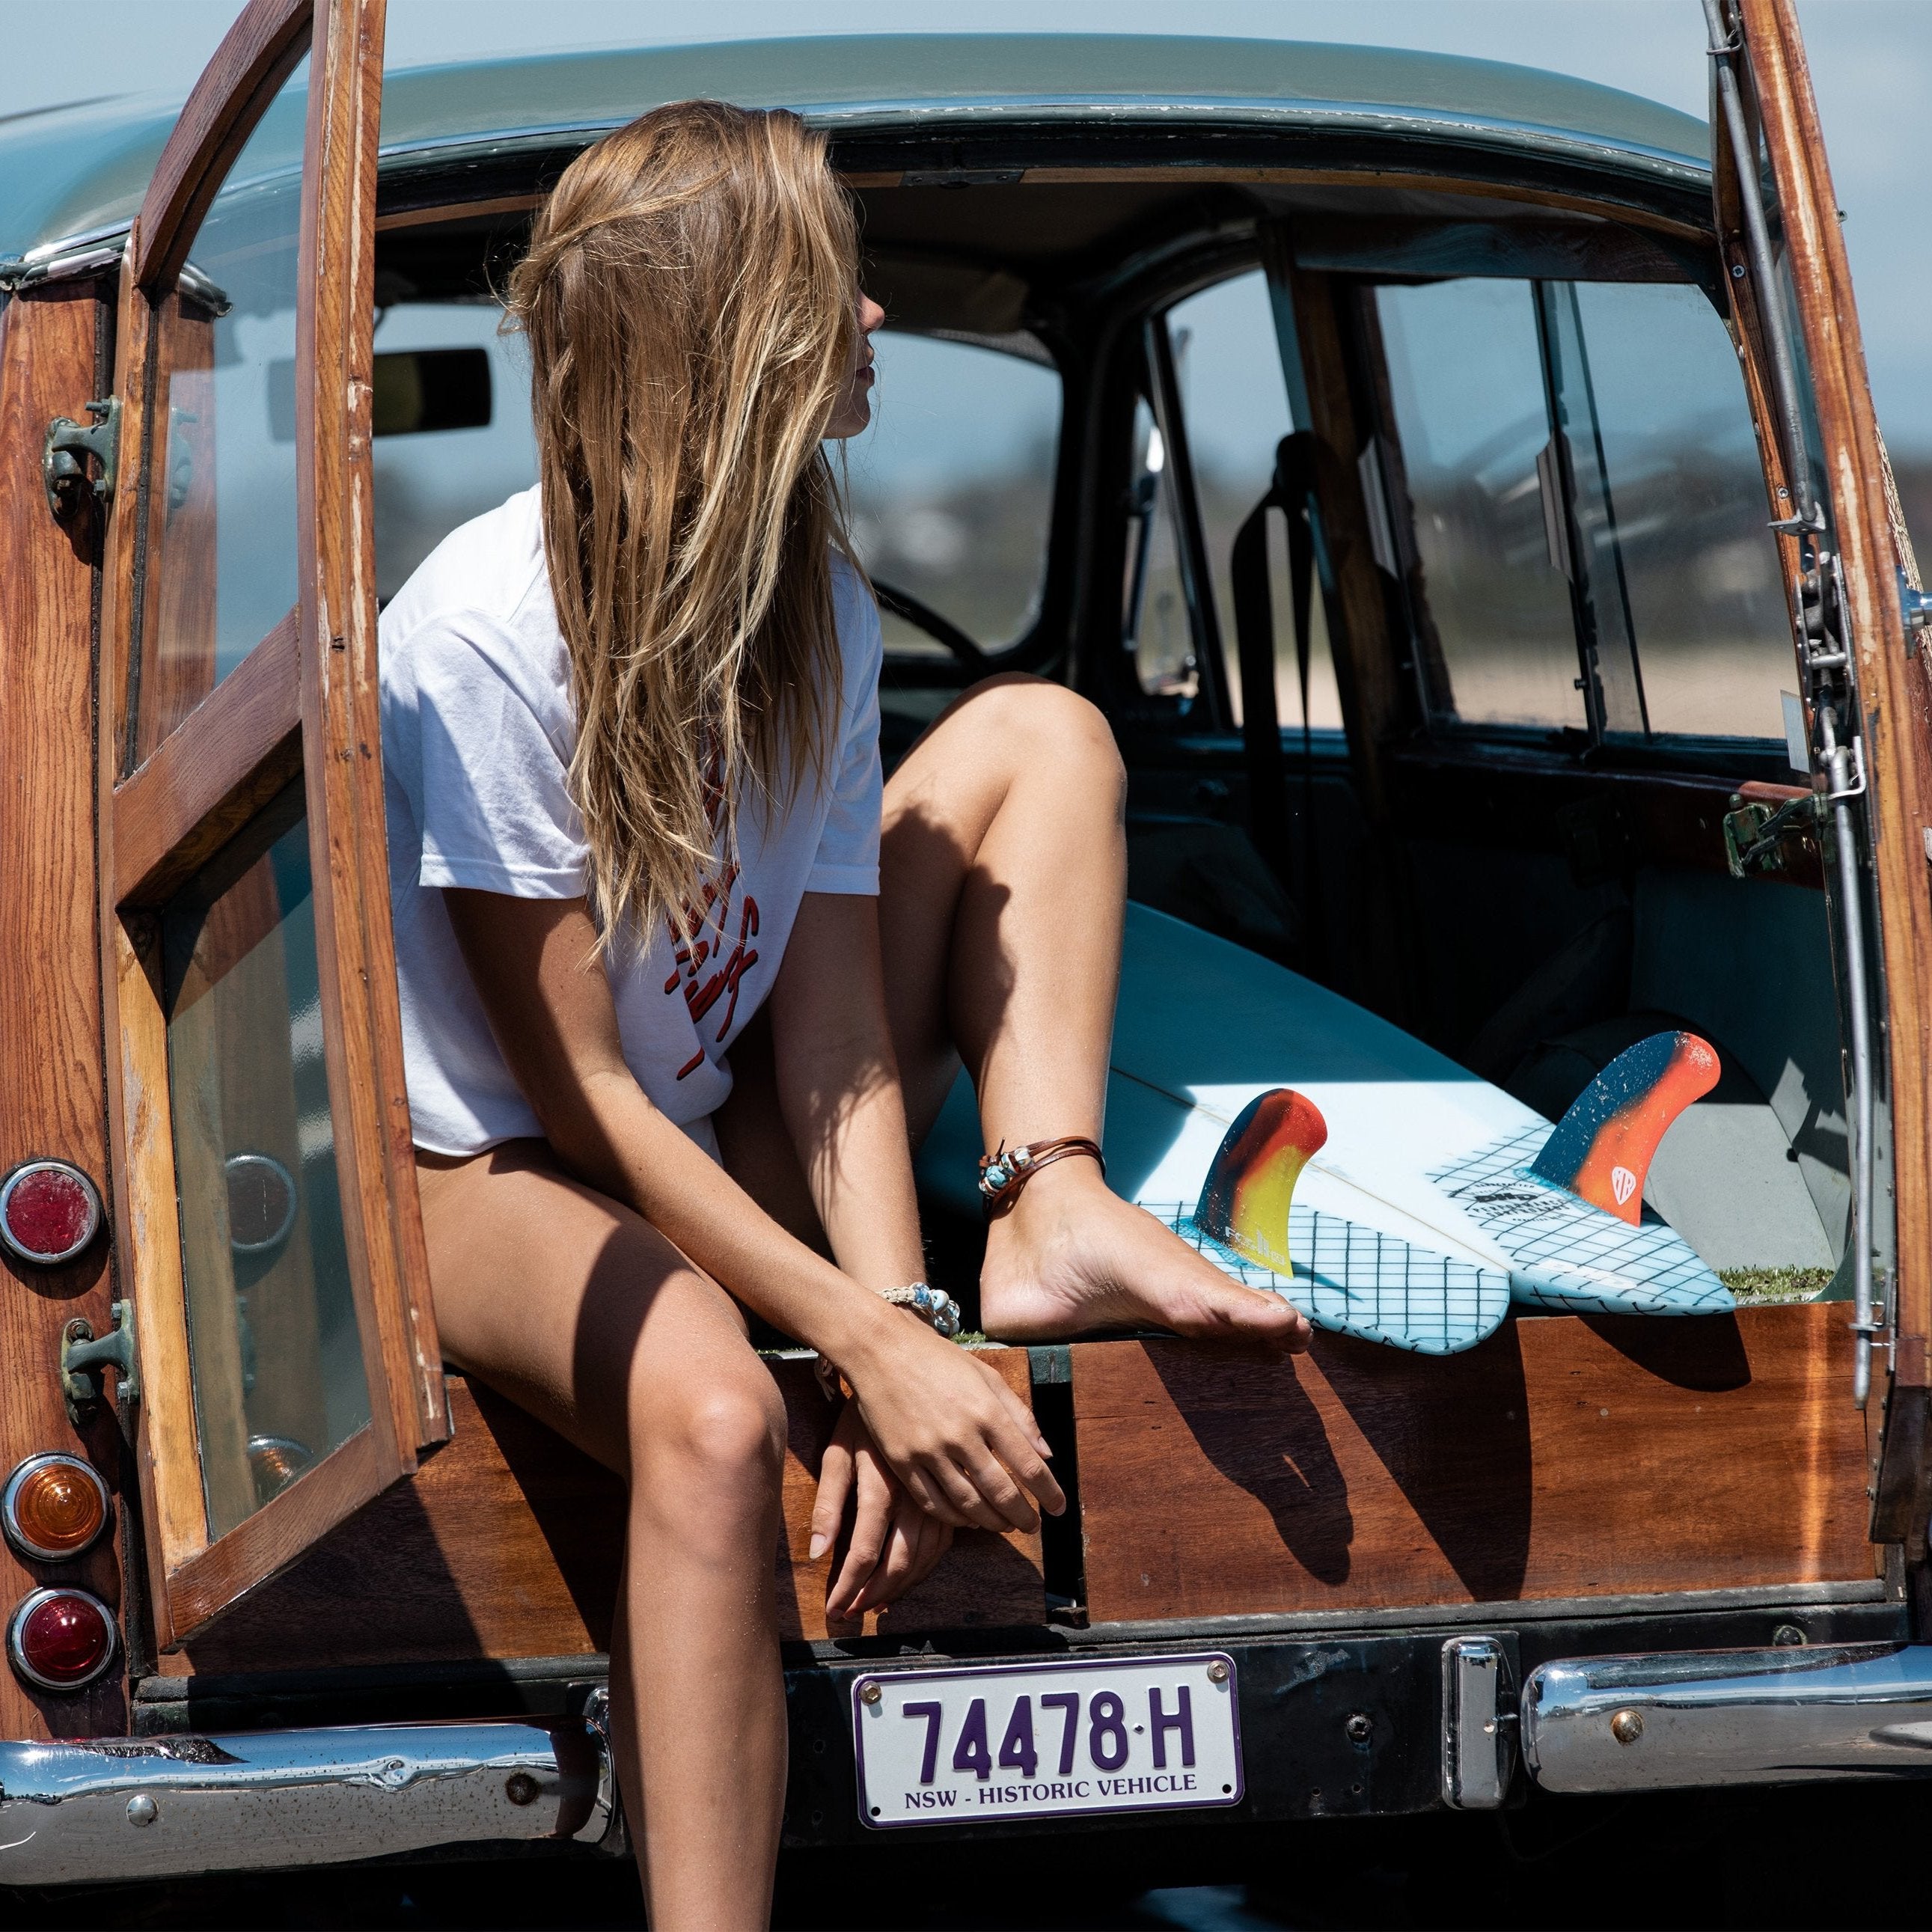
(1864, 679)
(265, 1215)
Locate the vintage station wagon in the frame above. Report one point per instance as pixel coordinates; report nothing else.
(1585, 702)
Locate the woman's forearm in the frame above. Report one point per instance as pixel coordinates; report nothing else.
(617, 1141)
(838, 1089)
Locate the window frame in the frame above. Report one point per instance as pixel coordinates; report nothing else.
(302, 705)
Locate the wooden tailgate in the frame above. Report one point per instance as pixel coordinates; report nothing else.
(1567, 1456)
(506, 1544)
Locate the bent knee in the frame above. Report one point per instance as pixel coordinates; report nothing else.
(726, 1432)
(1039, 724)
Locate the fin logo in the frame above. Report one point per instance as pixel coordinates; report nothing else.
(1623, 1184)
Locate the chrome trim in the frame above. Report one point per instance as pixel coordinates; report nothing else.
(18, 1538)
(79, 257)
(1478, 1753)
(23, 1609)
(155, 1807)
(13, 1180)
(1735, 1717)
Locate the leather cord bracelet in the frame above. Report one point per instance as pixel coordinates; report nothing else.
(1003, 1174)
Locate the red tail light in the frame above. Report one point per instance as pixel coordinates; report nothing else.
(61, 1639)
(49, 1212)
(53, 1506)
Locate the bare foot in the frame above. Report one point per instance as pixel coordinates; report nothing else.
(1069, 1257)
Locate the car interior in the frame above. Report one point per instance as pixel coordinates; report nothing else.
(1413, 539)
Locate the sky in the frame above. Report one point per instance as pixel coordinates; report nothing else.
(1871, 61)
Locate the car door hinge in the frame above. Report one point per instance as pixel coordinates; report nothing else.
(82, 1354)
(63, 454)
(1916, 605)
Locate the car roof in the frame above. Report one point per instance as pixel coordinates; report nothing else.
(80, 171)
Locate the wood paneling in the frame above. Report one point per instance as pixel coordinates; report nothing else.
(1895, 692)
(50, 1048)
(342, 736)
(255, 55)
(208, 778)
(1564, 1457)
(235, 750)
(507, 1544)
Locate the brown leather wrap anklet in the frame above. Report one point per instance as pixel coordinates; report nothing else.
(1002, 1174)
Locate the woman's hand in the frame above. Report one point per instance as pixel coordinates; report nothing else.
(895, 1544)
(963, 1445)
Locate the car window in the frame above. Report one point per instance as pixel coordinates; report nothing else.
(225, 539)
(951, 490)
(430, 478)
(1465, 380)
(1227, 361)
(1680, 522)
(1588, 510)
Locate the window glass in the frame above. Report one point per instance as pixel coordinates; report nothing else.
(1155, 626)
(1677, 528)
(951, 487)
(275, 1349)
(223, 557)
(1227, 359)
(430, 477)
(1465, 376)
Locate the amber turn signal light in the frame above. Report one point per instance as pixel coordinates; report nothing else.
(61, 1639)
(53, 1508)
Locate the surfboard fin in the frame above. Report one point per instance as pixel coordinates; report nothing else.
(1251, 1179)
(1600, 1151)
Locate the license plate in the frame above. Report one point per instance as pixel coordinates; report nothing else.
(1047, 1740)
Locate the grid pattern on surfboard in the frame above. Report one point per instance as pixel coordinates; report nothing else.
(1568, 1255)
(1358, 1281)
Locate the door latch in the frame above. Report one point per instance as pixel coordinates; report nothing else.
(83, 1355)
(63, 455)
(1754, 834)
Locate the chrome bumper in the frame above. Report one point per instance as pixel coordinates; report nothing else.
(109, 1808)
(1729, 1717)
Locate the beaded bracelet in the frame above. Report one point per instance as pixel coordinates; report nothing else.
(933, 1305)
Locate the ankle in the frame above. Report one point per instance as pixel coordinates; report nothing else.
(1051, 1193)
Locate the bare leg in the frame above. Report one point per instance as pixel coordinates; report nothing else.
(581, 1312)
(1003, 890)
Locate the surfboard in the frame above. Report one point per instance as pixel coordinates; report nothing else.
(1441, 1172)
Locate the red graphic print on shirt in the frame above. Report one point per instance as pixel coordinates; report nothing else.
(699, 934)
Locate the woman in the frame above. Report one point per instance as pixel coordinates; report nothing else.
(630, 728)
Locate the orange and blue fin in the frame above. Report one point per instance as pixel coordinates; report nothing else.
(1250, 1182)
(1601, 1149)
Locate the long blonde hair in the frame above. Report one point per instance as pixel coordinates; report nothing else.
(688, 297)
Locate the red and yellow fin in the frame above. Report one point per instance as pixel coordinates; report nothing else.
(1600, 1151)
(1251, 1179)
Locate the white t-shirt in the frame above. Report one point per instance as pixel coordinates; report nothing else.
(478, 732)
